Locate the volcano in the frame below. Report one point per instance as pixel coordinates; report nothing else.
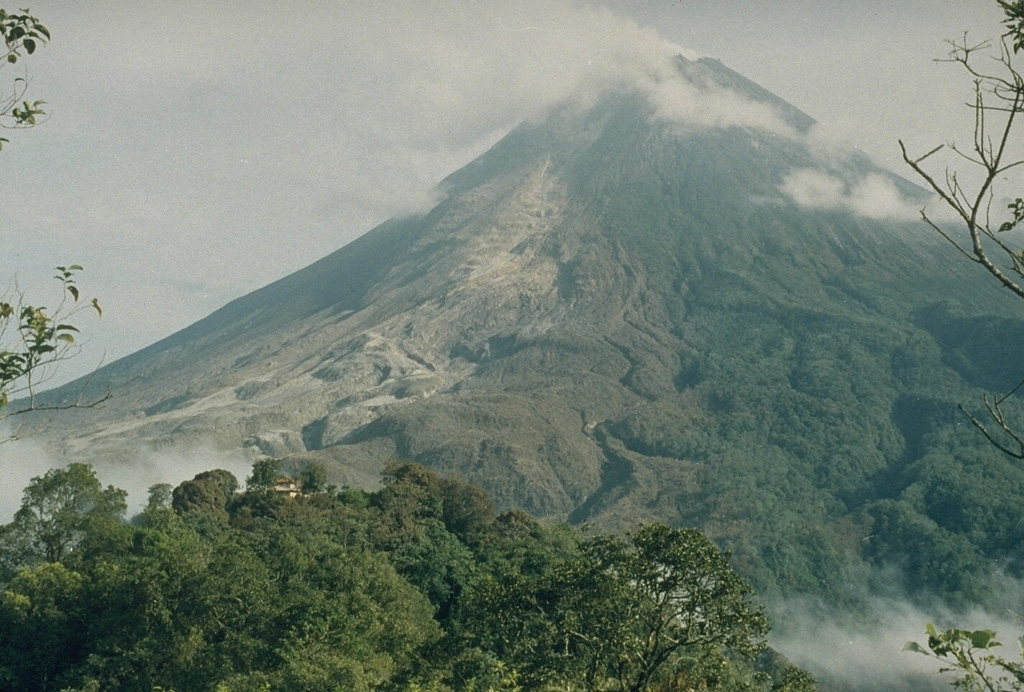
(660, 303)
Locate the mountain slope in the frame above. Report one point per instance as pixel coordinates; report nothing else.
(617, 315)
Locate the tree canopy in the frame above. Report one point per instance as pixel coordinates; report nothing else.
(340, 589)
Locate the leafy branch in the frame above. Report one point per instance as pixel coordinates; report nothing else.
(38, 338)
(970, 654)
(22, 34)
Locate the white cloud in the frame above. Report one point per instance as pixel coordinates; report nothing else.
(810, 187)
(874, 196)
(682, 102)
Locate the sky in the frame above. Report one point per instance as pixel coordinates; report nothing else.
(196, 151)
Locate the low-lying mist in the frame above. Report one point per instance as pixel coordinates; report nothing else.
(22, 460)
(863, 651)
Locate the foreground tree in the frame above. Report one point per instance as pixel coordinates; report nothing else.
(981, 235)
(209, 492)
(627, 614)
(57, 510)
(265, 473)
(679, 596)
(318, 592)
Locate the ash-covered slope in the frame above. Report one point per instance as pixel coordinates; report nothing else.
(619, 314)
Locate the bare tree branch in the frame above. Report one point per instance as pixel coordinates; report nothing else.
(997, 100)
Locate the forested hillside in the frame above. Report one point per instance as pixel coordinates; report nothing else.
(291, 585)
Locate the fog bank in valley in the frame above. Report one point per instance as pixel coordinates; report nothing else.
(864, 650)
(23, 459)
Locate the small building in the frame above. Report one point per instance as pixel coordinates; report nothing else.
(286, 486)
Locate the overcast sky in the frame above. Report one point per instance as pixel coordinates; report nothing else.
(196, 151)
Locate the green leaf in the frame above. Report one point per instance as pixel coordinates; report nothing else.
(73, 290)
(67, 338)
(984, 639)
(915, 647)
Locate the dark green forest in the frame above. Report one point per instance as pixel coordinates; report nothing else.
(295, 585)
